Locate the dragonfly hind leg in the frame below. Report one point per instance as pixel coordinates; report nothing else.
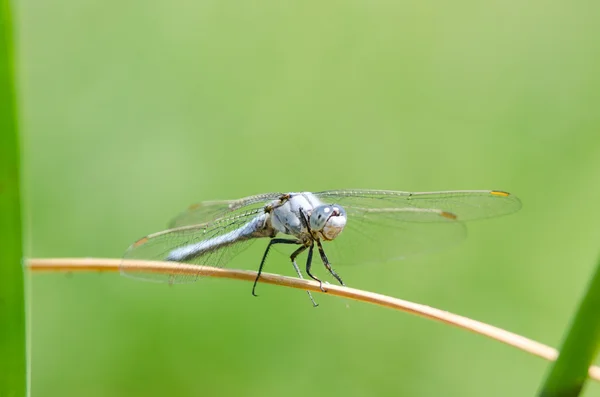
(264, 258)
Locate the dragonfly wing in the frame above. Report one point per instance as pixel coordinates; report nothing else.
(389, 225)
(465, 205)
(208, 211)
(161, 246)
(377, 236)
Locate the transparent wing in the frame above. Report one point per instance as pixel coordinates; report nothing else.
(465, 205)
(386, 225)
(158, 246)
(378, 237)
(208, 211)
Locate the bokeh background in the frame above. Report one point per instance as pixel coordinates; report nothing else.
(133, 110)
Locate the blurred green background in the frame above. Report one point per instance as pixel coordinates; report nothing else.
(133, 110)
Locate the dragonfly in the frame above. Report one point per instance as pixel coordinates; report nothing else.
(356, 226)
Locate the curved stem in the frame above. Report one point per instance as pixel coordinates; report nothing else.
(498, 334)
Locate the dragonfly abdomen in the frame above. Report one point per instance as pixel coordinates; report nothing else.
(256, 228)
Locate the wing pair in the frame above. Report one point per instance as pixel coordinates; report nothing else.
(382, 225)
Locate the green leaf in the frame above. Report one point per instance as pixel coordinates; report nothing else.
(13, 366)
(570, 371)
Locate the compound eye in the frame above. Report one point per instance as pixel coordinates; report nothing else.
(319, 217)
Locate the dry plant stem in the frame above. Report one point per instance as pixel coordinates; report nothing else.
(112, 265)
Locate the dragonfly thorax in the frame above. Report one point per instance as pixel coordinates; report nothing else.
(303, 215)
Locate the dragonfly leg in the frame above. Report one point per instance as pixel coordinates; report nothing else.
(264, 258)
(293, 258)
(309, 265)
(306, 223)
(327, 264)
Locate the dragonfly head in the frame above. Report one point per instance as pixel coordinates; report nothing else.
(328, 221)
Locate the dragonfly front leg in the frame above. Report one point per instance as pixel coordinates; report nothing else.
(327, 264)
(293, 258)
